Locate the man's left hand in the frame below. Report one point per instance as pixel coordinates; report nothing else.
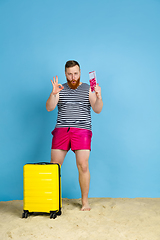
(98, 91)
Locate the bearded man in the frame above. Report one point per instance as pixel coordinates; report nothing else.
(73, 128)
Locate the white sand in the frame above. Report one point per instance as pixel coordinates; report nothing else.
(109, 219)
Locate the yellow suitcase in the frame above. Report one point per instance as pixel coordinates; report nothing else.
(42, 189)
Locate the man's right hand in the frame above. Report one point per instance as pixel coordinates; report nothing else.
(56, 87)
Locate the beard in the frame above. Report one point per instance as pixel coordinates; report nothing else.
(74, 83)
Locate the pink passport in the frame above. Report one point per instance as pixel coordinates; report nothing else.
(92, 76)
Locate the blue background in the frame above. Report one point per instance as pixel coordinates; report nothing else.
(118, 39)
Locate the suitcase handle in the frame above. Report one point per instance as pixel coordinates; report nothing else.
(43, 163)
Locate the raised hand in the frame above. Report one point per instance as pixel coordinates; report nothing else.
(57, 87)
(98, 91)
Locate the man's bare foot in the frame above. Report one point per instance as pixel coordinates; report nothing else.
(85, 207)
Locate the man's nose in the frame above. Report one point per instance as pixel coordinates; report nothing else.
(72, 77)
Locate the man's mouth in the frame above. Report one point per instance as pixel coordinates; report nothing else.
(73, 83)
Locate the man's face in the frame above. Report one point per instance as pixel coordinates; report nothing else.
(73, 76)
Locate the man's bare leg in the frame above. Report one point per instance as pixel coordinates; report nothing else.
(82, 157)
(57, 156)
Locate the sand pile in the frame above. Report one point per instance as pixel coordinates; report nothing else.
(109, 219)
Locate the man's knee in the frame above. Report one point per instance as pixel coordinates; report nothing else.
(82, 157)
(83, 167)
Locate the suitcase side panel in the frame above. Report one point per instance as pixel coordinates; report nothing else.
(42, 190)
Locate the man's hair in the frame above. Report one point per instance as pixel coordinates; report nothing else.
(71, 63)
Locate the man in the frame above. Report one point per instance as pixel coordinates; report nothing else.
(73, 129)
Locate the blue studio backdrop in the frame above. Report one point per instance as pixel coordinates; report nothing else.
(120, 40)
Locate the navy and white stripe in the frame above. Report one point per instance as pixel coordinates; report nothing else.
(74, 109)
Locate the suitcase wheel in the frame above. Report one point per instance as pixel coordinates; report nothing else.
(25, 214)
(53, 215)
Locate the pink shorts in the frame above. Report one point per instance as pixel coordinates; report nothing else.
(74, 138)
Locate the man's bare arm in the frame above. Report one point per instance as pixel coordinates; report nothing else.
(95, 99)
(52, 102)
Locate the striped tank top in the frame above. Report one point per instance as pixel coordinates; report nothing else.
(74, 109)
